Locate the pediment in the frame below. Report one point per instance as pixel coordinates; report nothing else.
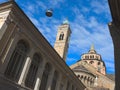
(80, 68)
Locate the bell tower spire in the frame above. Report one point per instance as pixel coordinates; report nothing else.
(62, 39)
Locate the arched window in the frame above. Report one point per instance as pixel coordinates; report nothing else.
(85, 78)
(86, 57)
(81, 77)
(61, 36)
(91, 56)
(78, 76)
(45, 77)
(96, 57)
(99, 63)
(91, 62)
(31, 76)
(85, 61)
(54, 82)
(17, 61)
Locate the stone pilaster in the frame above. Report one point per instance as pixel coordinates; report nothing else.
(65, 85)
(59, 82)
(50, 79)
(39, 75)
(25, 71)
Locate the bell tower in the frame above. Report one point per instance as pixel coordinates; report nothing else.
(62, 39)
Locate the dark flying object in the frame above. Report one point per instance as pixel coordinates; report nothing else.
(49, 12)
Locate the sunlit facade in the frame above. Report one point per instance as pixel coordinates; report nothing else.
(27, 60)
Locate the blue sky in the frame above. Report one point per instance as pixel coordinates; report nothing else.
(88, 21)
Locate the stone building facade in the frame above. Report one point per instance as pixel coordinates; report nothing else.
(27, 60)
(91, 70)
(94, 60)
(62, 39)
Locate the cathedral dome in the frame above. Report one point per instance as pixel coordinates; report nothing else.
(91, 55)
(94, 59)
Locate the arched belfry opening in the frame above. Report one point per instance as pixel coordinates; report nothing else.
(62, 39)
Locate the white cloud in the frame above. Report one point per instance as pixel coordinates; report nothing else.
(41, 5)
(85, 31)
(55, 3)
(99, 6)
(91, 31)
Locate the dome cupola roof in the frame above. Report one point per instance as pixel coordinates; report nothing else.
(66, 22)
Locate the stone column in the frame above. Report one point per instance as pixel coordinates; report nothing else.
(58, 82)
(25, 68)
(50, 79)
(24, 73)
(39, 75)
(88, 83)
(70, 87)
(92, 83)
(65, 85)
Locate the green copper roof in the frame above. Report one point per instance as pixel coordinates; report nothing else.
(66, 22)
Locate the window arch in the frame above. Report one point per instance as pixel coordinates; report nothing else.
(31, 76)
(91, 62)
(91, 56)
(88, 78)
(45, 77)
(61, 36)
(54, 82)
(78, 76)
(86, 57)
(99, 63)
(85, 61)
(81, 77)
(17, 61)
